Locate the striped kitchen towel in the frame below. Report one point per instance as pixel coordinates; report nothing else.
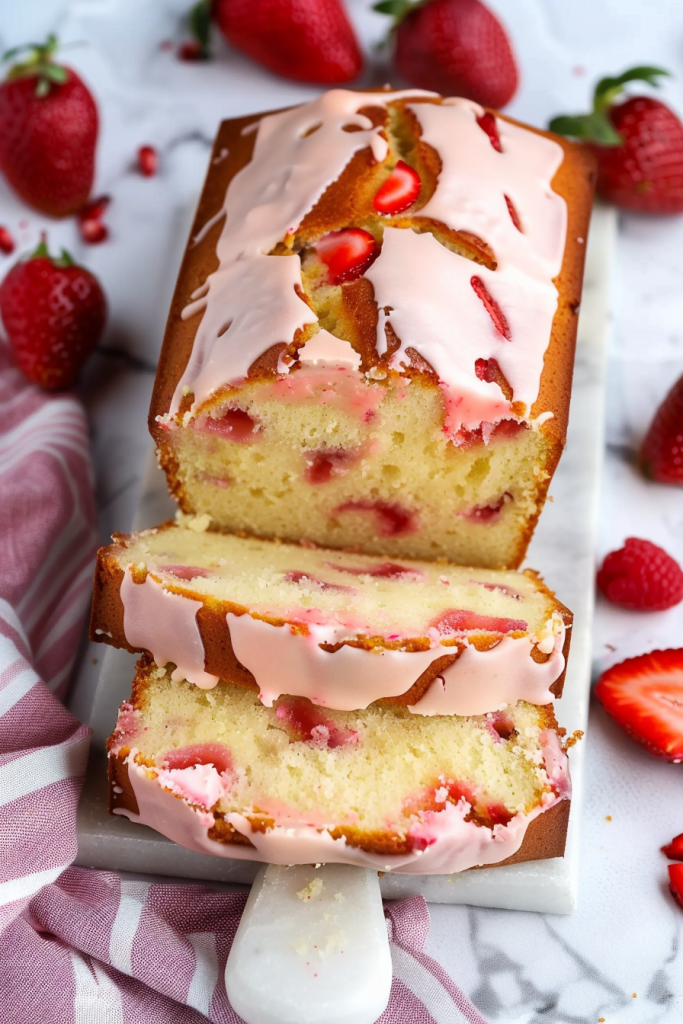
(79, 946)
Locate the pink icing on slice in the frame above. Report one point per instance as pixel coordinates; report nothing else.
(481, 681)
(556, 764)
(184, 572)
(296, 576)
(387, 571)
(234, 424)
(461, 620)
(352, 678)
(309, 725)
(451, 842)
(393, 520)
(165, 624)
(199, 784)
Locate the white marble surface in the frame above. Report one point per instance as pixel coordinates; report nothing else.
(625, 936)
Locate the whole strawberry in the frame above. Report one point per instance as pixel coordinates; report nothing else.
(307, 40)
(661, 454)
(48, 132)
(641, 576)
(456, 47)
(54, 313)
(638, 143)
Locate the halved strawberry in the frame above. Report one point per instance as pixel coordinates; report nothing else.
(399, 191)
(347, 254)
(674, 849)
(676, 882)
(644, 695)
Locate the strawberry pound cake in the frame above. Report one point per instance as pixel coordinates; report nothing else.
(220, 773)
(372, 337)
(344, 630)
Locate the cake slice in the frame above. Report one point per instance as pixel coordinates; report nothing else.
(343, 629)
(371, 342)
(220, 773)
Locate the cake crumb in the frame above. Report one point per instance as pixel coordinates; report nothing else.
(301, 947)
(608, 817)
(198, 524)
(339, 897)
(311, 891)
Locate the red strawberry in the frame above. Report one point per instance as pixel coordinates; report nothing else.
(90, 224)
(644, 695)
(307, 40)
(48, 132)
(399, 191)
(6, 241)
(661, 454)
(674, 850)
(638, 143)
(347, 254)
(54, 313)
(676, 882)
(641, 576)
(456, 47)
(148, 161)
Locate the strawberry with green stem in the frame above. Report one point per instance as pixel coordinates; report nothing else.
(638, 144)
(456, 47)
(48, 131)
(54, 313)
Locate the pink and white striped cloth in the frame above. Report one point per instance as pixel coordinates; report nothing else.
(79, 946)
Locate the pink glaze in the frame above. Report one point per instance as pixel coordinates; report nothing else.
(183, 572)
(234, 424)
(393, 520)
(264, 203)
(165, 624)
(352, 678)
(481, 681)
(387, 571)
(444, 843)
(487, 513)
(556, 765)
(460, 620)
(200, 784)
(326, 349)
(297, 576)
(502, 194)
(310, 726)
(284, 662)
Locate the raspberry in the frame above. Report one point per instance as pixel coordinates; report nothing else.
(641, 576)
(661, 454)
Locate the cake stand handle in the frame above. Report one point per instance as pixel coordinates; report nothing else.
(311, 948)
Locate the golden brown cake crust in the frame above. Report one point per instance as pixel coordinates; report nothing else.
(106, 626)
(574, 181)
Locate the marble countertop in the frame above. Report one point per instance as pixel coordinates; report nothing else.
(619, 956)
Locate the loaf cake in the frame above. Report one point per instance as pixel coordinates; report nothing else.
(344, 630)
(371, 341)
(220, 773)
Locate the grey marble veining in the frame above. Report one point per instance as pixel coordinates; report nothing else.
(625, 935)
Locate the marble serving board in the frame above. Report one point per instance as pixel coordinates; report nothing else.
(562, 550)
